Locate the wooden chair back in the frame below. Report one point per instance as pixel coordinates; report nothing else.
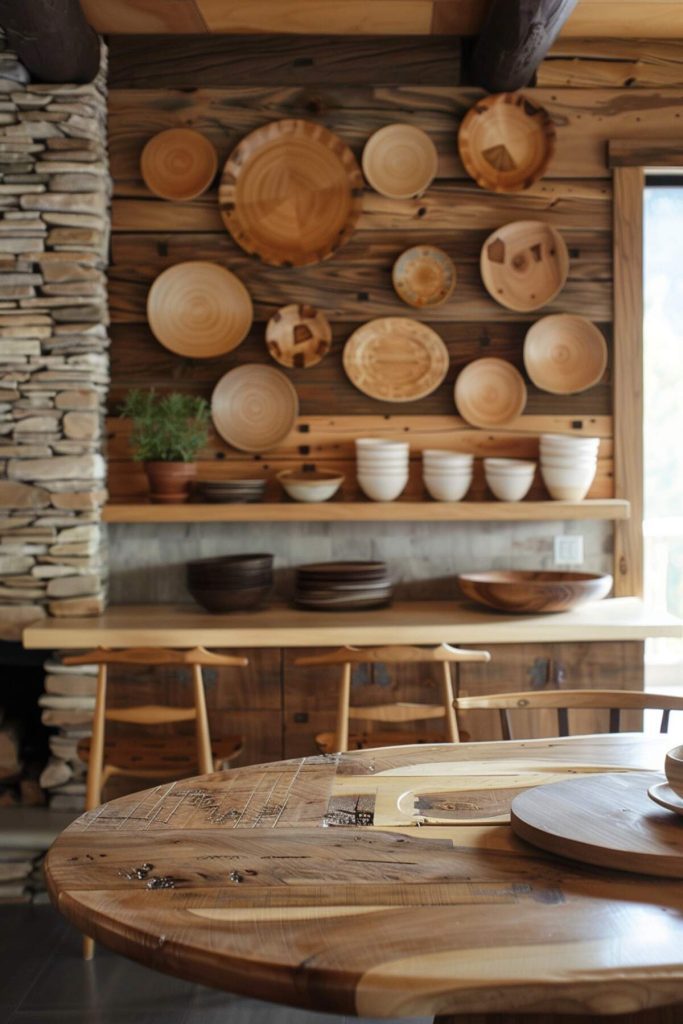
(153, 656)
(615, 701)
(393, 655)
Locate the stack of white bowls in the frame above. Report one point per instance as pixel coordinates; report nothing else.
(382, 467)
(447, 475)
(568, 465)
(509, 479)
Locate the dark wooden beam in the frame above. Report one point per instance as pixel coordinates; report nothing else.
(514, 40)
(52, 39)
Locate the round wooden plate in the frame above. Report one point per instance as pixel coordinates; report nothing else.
(490, 392)
(524, 265)
(199, 309)
(395, 359)
(254, 407)
(400, 161)
(291, 193)
(564, 354)
(506, 142)
(298, 336)
(178, 164)
(423, 276)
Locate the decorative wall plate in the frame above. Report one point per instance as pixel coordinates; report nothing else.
(178, 164)
(254, 407)
(400, 161)
(490, 392)
(291, 193)
(506, 142)
(564, 354)
(199, 309)
(395, 359)
(423, 276)
(298, 336)
(524, 265)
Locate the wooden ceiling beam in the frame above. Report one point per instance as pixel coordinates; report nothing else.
(52, 39)
(513, 41)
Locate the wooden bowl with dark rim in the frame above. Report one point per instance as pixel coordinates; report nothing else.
(525, 591)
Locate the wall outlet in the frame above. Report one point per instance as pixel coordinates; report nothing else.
(568, 549)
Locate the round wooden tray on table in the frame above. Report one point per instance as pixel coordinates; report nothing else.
(423, 276)
(298, 336)
(254, 407)
(199, 309)
(178, 164)
(524, 265)
(564, 354)
(400, 161)
(506, 142)
(395, 359)
(490, 392)
(291, 193)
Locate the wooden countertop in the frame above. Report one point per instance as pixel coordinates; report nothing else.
(382, 883)
(409, 622)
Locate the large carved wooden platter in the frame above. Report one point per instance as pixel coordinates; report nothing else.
(199, 309)
(524, 265)
(395, 359)
(291, 193)
(506, 142)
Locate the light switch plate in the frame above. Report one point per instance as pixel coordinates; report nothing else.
(568, 549)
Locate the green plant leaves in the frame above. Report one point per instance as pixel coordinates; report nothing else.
(166, 428)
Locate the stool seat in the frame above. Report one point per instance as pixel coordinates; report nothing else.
(162, 756)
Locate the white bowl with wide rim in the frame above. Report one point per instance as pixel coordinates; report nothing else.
(509, 484)
(567, 484)
(382, 488)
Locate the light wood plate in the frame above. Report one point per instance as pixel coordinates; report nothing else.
(607, 820)
(395, 359)
(254, 407)
(400, 161)
(178, 164)
(664, 795)
(423, 276)
(565, 354)
(490, 392)
(199, 309)
(291, 193)
(298, 336)
(506, 142)
(524, 265)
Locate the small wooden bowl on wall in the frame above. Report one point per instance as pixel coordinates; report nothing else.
(564, 354)
(178, 164)
(400, 161)
(524, 265)
(506, 142)
(490, 392)
(423, 275)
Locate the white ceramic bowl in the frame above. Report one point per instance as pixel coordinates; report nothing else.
(382, 460)
(376, 444)
(561, 441)
(448, 488)
(510, 466)
(673, 769)
(447, 473)
(385, 488)
(569, 462)
(509, 485)
(565, 484)
(441, 455)
(321, 487)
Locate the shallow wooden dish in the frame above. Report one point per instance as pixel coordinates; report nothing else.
(524, 265)
(673, 769)
(395, 359)
(526, 591)
(665, 796)
(291, 193)
(298, 336)
(199, 309)
(564, 354)
(400, 161)
(178, 164)
(506, 142)
(423, 276)
(254, 407)
(490, 392)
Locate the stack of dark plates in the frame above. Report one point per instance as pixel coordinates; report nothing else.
(230, 491)
(232, 583)
(342, 586)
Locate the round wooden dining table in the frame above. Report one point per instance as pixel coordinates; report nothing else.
(383, 883)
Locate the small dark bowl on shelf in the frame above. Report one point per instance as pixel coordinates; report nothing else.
(218, 600)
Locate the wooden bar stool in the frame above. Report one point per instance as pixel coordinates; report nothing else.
(143, 756)
(393, 713)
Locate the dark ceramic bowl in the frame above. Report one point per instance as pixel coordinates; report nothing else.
(218, 601)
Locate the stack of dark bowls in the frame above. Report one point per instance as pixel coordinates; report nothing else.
(342, 586)
(232, 583)
(230, 491)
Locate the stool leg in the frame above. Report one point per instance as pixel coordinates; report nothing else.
(93, 794)
(447, 691)
(88, 947)
(341, 739)
(204, 755)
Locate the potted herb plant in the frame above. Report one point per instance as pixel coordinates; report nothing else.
(168, 433)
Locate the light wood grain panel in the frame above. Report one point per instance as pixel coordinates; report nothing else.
(596, 63)
(354, 17)
(144, 16)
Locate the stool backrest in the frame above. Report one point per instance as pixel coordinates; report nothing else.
(393, 655)
(153, 656)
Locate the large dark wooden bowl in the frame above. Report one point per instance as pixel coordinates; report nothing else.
(512, 591)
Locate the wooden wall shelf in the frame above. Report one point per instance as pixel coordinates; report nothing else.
(369, 511)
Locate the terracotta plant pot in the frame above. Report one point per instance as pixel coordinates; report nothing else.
(170, 482)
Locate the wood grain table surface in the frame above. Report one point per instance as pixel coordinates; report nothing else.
(382, 883)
